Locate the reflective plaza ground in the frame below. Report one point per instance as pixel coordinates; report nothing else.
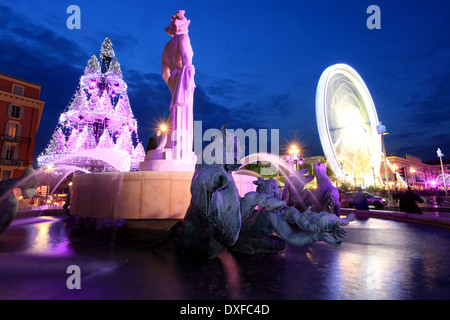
(381, 259)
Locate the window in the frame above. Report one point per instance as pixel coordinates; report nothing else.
(17, 90)
(15, 112)
(6, 174)
(13, 130)
(9, 152)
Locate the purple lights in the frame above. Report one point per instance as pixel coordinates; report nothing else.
(98, 117)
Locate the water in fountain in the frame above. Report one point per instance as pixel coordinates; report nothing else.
(292, 176)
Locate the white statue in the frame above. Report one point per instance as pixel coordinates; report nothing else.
(178, 72)
(175, 150)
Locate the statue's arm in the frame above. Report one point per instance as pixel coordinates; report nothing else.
(345, 221)
(165, 70)
(185, 49)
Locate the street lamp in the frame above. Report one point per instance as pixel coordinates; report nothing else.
(294, 157)
(381, 130)
(440, 155)
(162, 129)
(395, 176)
(49, 171)
(412, 171)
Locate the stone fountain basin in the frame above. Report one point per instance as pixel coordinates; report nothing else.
(138, 195)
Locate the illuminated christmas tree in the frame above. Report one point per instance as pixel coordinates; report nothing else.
(57, 143)
(99, 116)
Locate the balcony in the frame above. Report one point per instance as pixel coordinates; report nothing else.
(24, 140)
(15, 162)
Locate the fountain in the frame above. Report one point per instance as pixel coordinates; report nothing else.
(161, 187)
(217, 208)
(218, 217)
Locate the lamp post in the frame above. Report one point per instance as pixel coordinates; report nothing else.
(395, 177)
(158, 135)
(440, 155)
(412, 171)
(49, 172)
(294, 152)
(162, 129)
(293, 158)
(381, 130)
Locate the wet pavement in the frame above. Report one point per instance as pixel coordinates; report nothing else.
(381, 259)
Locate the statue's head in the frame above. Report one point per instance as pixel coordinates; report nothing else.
(328, 222)
(320, 168)
(178, 24)
(269, 187)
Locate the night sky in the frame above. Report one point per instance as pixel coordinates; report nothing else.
(257, 62)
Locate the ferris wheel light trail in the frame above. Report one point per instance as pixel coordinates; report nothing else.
(347, 120)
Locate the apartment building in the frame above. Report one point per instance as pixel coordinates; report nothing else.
(20, 114)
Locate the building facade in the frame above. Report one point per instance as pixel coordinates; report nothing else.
(20, 114)
(414, 172)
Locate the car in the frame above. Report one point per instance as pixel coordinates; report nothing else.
(347, 200)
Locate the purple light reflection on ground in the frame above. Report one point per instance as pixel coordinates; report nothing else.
(381, 259)
(42, 236)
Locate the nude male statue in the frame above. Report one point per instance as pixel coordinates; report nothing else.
(178, 72)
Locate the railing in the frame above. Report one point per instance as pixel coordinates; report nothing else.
(5, 137)
(15, 162)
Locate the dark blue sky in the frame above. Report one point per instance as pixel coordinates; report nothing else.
(257, 62)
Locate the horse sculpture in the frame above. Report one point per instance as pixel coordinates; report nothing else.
(326, 194)
(324, 198)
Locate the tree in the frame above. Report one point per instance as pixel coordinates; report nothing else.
(101, 109)
(72, 141)
(105, 141)
(93, 65)
(106, 50)
(115, 68)
(124, 141)
(107, 54)
(57, 143)
(85, 140)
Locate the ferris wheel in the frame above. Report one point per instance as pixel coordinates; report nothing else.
(347, 123)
